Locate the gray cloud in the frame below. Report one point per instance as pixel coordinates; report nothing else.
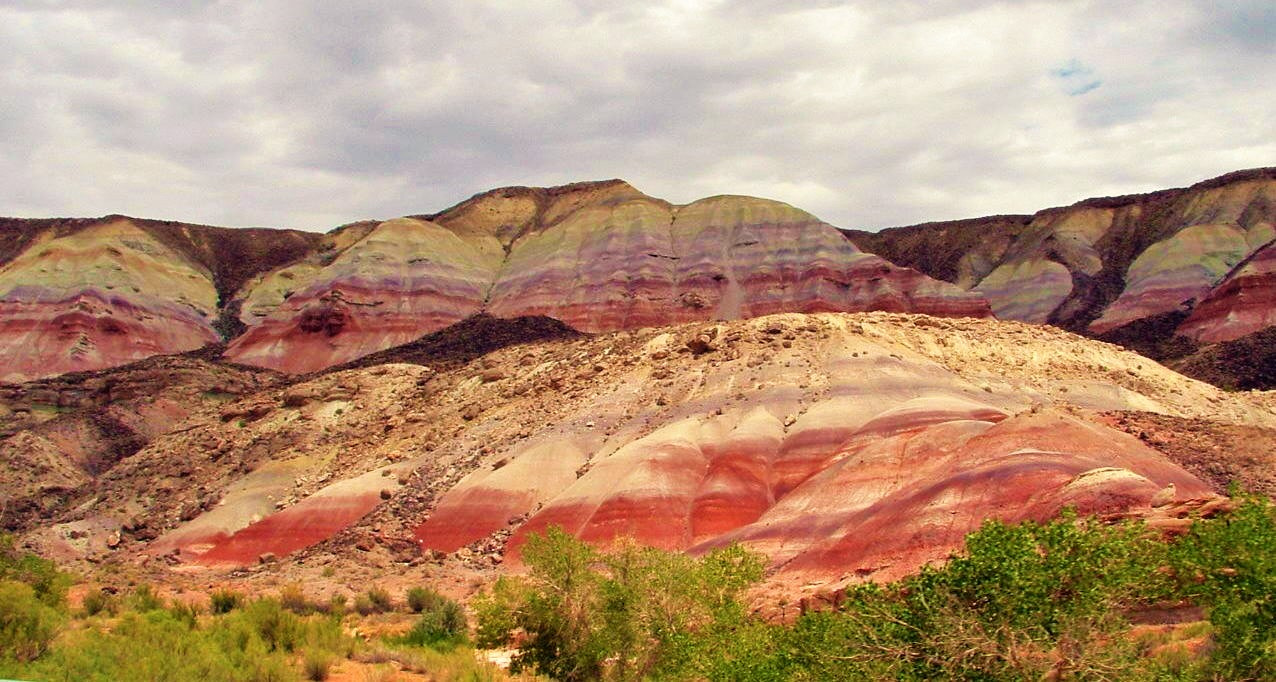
(868, 114)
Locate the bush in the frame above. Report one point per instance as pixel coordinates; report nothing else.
(1228, 565)
(380, 600)
(442, 625)
(99, 601)
(1023, 602)
(420, 597)
(224, 601)
(293, 598)
(337, 606)
(279, 629)
(143, 599)
(44, 578)
(149, 646)
(185, 612)
(27, 625)
(632, 612)
(317, 665)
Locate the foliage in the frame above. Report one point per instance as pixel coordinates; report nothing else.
(44, 578)
(442, 624)
(375, 600)
(224, 601)
(259, 643)
(143, 598)
(293, 598)
(629, 613)
(27, 624)
(157, 646)
(419, 598)
(317, 665)
(1024, 601)
(99, 601)
(1228, 564)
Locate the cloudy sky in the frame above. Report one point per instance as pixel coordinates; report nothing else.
(868, 114)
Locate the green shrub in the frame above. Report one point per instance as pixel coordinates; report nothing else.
(185, 612)
(1228, 565)
(337, 606)
(1023, 601)
(632, 612)
(317, 665)
(27, 624)
(144, 646)
(419, 598)
(279, 629)
(293, 597)
(224, 601)
(49, 584)
(364, 606)
(442, 625)
(380, 600)
(143, 599)
(99, 601)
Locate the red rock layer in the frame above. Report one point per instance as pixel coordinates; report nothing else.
(1244, 303)
(314, 520)
(90, 330)
(1099, 264)
(953, 478)
(404, 279)
(645, 263)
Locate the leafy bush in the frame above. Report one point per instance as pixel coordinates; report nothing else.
(143, 599)
(293, 598)
(155, 646)
(1228, 565)
(27, 625)
(442, 624)
(375, 600)
(317, 665)
(44, 578)
(337, 606)
(420, 597)
(99, 601)
(185, 612)
(279, 629)
(631, 612)
(225, 601)
(1023, 602)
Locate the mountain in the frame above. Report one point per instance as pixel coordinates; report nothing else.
(89, 294)
(1165, 273)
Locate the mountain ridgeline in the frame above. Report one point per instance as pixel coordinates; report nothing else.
(1171, 274)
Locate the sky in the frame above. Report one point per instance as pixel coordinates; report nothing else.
(868, 114)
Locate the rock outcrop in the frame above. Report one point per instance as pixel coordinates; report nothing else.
(1191, 263)
(1242, 304)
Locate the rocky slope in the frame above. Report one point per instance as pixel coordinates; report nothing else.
(1162, 272)
(843, 446)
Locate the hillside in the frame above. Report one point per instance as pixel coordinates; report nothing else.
(840, 445)
(1166, 273)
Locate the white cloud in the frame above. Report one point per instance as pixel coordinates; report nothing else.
(868, 114)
